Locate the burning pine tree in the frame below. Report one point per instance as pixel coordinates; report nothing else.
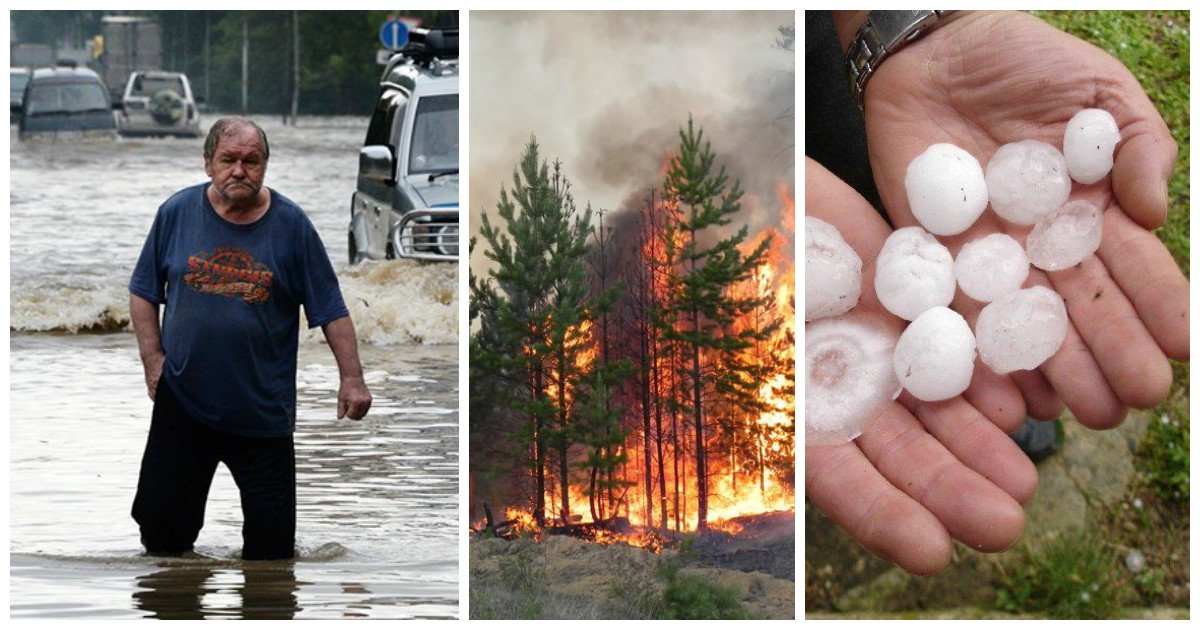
(659, 388)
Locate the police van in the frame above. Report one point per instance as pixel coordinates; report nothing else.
(406, 202)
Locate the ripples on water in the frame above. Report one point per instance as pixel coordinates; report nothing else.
(377, 500)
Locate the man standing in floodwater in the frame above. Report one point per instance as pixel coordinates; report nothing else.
(233, 261)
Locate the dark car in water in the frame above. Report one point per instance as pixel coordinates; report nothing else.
(17, 78)
(66, 103)
(406, 202)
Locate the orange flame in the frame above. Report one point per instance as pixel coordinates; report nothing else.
(732, 491)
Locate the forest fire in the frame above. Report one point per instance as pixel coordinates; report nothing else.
(661, 398)
(751, 449)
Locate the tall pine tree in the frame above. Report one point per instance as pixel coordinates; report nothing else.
(707, 264)
(532, 307)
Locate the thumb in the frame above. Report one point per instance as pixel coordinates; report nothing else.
(1140, 173)
(341, 408)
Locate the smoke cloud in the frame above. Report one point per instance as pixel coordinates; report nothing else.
(606, 93)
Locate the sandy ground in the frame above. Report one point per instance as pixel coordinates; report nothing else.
(604, 580)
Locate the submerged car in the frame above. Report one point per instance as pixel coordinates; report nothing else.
(17, 78)
(157, 103)
(406, 202)
(66, 103)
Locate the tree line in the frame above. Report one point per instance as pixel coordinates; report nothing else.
(627, 370)
(338, 71)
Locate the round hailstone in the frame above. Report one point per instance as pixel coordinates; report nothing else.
(1066, 236)
(913, 273)
(1021, 330)
(1088, 145)
(989, 267)
(935, 356)
(946, 189)
(1026, 181)
(849, 377)
(832, 271)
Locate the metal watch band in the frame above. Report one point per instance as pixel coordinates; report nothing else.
(882, 34)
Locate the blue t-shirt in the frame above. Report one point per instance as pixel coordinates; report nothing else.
(232, 321)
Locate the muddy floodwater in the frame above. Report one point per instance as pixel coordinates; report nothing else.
(377, 529)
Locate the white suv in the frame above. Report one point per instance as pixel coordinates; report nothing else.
(406, 203)
(158, 103)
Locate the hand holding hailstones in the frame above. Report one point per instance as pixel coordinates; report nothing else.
(1026, 183)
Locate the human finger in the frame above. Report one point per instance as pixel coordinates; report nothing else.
(1141, 169)
(972, 509)
(1073, 373)
(1041, 401)
(1127, 355)
(1150, 278)
(996, 397)
(980, 445)
(843, 484)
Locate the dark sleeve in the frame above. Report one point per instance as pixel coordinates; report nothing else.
(834, 133)
(150, 273)
(322, 297)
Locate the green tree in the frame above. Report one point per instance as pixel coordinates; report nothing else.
(702, 319)
(536, 301)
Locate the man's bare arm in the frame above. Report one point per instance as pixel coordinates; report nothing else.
(354, 399)
(144, 316)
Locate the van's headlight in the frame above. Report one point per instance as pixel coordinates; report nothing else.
(447, 240)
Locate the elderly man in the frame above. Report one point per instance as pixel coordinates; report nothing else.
(232, 261)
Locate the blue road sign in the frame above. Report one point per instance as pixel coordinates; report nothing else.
(393, 34)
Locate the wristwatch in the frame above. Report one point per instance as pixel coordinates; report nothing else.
(882, 34)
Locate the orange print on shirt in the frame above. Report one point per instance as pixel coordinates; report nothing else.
(230, 272)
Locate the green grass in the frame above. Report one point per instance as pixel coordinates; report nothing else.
(1163, 456)
(1075, 576)
(690, 596)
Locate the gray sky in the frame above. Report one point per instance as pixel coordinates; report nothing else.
(606, 93)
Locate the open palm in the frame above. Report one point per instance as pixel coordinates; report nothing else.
(922, 473)
(987, 79)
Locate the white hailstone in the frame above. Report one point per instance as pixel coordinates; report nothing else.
(913, 273)
(1088, 145)
(935, 356)
(832, 271)
(1026, 181)
(849, 377)
(989, 267)
(946, 189)
(1066, 236)
(1135, 561)
(1021, 330)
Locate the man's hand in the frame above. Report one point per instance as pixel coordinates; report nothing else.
(922, 473)
(987, 79)
(152, 366)
(354, 399)
(143, 314)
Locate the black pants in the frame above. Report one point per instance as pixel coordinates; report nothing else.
(177, 469)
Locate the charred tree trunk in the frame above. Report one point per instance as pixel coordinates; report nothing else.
(564, 485)
(658, 426)
(646, 376)
(539, 455)
(698, 413)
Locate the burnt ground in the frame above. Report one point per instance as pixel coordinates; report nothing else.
(766, 544)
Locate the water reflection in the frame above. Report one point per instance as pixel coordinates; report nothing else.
(268, 591)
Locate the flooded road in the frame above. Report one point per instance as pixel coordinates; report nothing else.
(377, 499)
